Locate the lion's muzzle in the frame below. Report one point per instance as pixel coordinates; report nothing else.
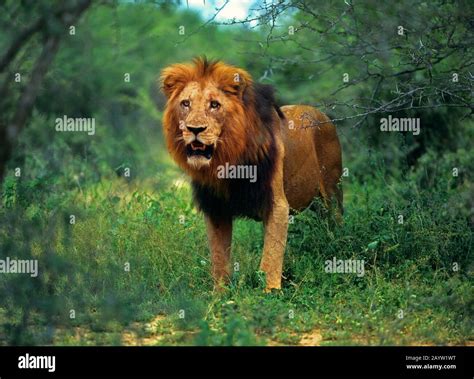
(198, 149)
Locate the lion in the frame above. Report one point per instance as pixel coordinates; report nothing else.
(217, 116)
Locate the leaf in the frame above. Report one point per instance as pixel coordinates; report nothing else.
(373, 245)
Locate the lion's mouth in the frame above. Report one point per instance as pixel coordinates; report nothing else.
(197, 148)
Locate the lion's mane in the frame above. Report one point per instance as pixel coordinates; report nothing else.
(247, 138)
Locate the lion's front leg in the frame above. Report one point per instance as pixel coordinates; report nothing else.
(276, 230)
(219, 234)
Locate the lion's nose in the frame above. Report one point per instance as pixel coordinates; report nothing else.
(195, 130)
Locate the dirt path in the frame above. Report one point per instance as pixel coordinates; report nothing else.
(143, 334)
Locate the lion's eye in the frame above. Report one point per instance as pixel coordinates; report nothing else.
(215, 104)
(185, 103)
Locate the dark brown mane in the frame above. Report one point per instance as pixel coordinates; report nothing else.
(254, 125)
(241, 196)
(204, 66)
(265, 102)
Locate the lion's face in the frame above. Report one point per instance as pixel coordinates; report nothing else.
(202, 111)
(205, 121)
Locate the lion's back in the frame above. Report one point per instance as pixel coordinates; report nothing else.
(313, 163)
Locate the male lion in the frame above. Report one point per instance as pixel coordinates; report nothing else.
(216, 115)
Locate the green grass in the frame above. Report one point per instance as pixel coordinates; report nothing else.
(408, 271)
(135, 221)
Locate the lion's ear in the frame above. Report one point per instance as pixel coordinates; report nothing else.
(237, 80)
(174, 77)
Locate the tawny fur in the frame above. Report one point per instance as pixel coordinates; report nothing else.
(303, 145)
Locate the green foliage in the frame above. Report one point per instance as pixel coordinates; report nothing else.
(146, 221)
